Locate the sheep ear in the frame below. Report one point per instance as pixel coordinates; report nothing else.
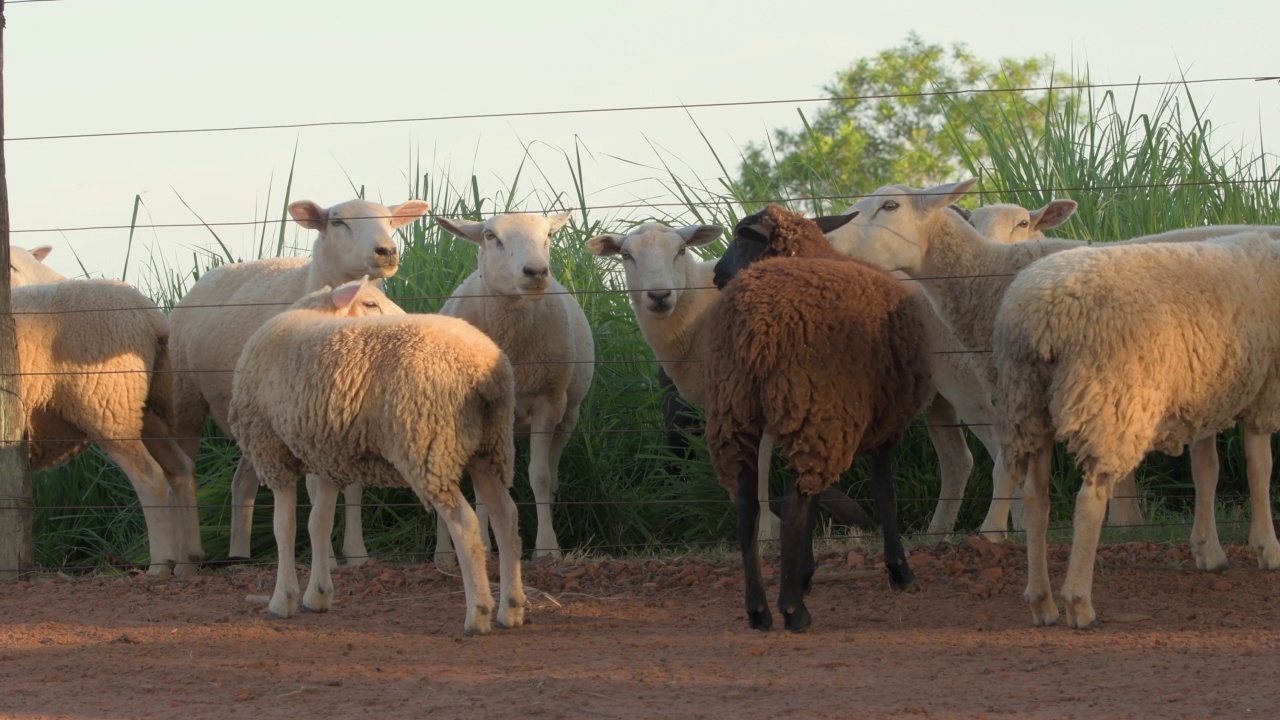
(962, 212)
(308, 214)
(828, 223)
(1053, 214)
(465, 229)
(407, 212)
(699, 235)
(42, 252)
(604, 245)
(940, 196)
(345, 294)
(557, 221)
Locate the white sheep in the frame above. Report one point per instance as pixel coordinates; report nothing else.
(346, 386)
(670, 290)
(1124, 350)
(513, 297)
(212, 322)
(94, 360)
(1008, 222)
(965, 275)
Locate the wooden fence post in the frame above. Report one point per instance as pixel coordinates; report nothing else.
(17, 538)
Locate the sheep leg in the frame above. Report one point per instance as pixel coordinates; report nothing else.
(148, 481)
(284, 599)
(677, 418)
(1035, 494)
(179, 473)
(1125, 509)
(1091, 511)
(353, 548)
(491, 489)
(445, 555)
(797, 559)
(955, 463)
(244, 491)
(313, 483)
(770, 527)
(1205, 546)
(461, 521)
(895, 557)
(1262, 531)
(748, 502)
(1003, 488)
(542, 431)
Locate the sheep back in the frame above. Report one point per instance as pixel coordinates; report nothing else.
(831, 354)
(87, 350)
(1132, 348)
(374, 400)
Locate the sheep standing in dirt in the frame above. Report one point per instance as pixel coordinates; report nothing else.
(94, 359)
(965, 276)
(1124, 350)
(671, 291)
(348, 387)
(515, 300)
(829, 356)
(212, 322)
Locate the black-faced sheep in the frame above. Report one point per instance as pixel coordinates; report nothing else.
(824, 353)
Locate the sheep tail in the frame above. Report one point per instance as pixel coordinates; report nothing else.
(160, 389)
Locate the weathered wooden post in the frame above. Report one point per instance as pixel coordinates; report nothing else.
(17, 539)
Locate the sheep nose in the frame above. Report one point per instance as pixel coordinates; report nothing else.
(536, 273)
(386, 252)
(659, 296)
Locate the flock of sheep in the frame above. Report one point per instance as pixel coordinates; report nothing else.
(823, 337)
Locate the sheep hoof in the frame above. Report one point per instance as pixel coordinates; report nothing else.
(798, 619)
(760, 619)
(903, 579)
(273, 615)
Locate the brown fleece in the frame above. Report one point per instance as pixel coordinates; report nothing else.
(825, 353)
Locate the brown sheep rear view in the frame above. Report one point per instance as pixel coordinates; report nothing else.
(827, 354)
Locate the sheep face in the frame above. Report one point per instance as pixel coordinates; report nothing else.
(752, 241)
(356, 236)
(515, 250)
(26, 267)
(893, 228)
(1007, 223)
(656, 262)
(358, 298)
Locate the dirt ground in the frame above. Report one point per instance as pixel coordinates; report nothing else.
(660, 638)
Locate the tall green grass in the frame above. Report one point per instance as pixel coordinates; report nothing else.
(1131, 172)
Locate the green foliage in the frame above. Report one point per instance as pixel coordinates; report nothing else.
(893, 119)
(1133, 172)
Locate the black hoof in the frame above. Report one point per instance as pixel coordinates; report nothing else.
(760, 619)
(902, 579)
(797, 620)
(271, 615)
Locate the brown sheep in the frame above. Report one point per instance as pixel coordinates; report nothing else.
(828, 355)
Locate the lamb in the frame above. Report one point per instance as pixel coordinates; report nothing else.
(346, 386)
(93, 355)
(1122, 350)
(515, 300)
(965, 276)
(829, 356)
(212, 322)
(671, 291)
(1010, 223)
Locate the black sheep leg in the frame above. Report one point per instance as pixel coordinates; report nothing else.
(797, 559)
(895, 558)
(748, 515)
(806, 569)
(678, 417)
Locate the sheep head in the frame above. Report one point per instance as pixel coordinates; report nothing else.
(776, 232)
(26, 267)
(1008, 223)
(656, 262)
(894, 225)
(358, 298)
(515, 250)
(355, 236)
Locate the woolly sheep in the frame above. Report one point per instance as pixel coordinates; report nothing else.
(90, 352)
(1123, 350)
(1007, 222)
(965, 276)
(346, 386)
(513, 298)
(826, 354)
(212, 322)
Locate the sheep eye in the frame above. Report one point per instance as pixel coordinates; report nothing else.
(370, 304)
(680, 252)
(625, 255)
(889, 205)
(1024, 223)
(338, 223)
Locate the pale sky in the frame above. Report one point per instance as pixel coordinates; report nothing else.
(111, 65)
